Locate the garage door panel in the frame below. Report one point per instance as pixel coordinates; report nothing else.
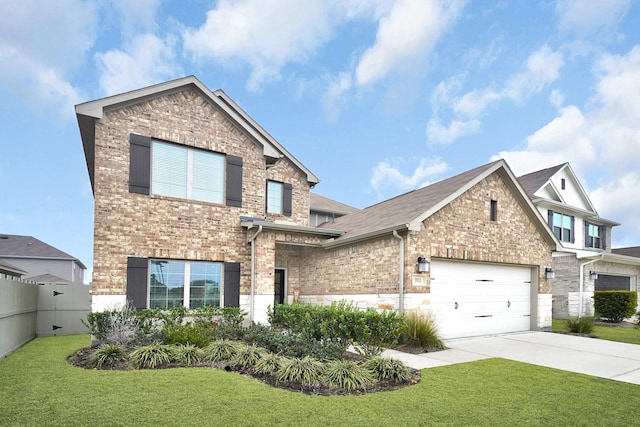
(470, 299)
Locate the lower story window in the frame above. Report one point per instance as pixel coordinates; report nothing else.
(191, 284)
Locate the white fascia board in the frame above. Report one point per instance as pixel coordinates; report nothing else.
(332, 243)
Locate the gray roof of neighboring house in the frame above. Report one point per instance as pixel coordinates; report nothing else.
(320, 203)
(89, 112)
(633, 251)
(10, 268)
(533, 181)
(14, 246)
(47, 278)
(408, 210)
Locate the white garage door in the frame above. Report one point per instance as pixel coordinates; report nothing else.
(470, 299)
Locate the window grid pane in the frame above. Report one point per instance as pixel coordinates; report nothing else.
(168, 284)
(208, 177)
(169, 170)
(166, 288)
(274, 197)
(205, 284)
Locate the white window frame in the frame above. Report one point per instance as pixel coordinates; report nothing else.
(591, 237)
(186, 280)
(270, 208)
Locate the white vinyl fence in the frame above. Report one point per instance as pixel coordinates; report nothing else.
(29, 309)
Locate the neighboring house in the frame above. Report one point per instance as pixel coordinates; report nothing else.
(10, 269)
(196, 204)
(38, 261)
(586, 261)
(323, 209)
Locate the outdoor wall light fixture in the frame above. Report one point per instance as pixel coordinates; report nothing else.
(423, 265)
(593, 275)
(550, 273)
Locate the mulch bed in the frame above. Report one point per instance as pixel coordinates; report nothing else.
(82, 359)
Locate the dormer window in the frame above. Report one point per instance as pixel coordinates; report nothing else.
(594, 236)
(562, 226)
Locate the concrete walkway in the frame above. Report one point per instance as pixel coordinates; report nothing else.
(600, 358)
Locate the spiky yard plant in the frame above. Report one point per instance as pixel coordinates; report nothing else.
(421, 331)
(346, 375)
(387, 368)
(188, 354)
(247, 356)
(305, 371)
(150, 356)
(220, 351)
(268, 364)
(107, 355)
(581, 325)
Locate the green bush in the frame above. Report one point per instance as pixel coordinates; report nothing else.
(220, 351)
(581, 325)
(342, 323)
(347, 375)
(291, 344)
(386, 368)
(268, 364)
(185, 334)
(421, 331)
(305, 371)
(107, 355)
(151, 356)
(188, 354)
(247, 356)
(118, 326)
(614, 306)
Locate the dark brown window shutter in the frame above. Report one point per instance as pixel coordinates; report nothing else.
(139, 164)
(137, 279)
(234, 181)
(287, 193)
(550, 218)
(232, 284)
(603, 237)
(573, 234)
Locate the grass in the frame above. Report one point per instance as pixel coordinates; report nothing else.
(39, 387)
(609, 333)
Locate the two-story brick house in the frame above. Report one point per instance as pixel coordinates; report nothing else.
(196, 204)
(585, 262)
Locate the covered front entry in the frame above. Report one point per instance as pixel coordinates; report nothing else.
(471, 299)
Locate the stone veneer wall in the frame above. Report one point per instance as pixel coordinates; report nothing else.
(128, 224)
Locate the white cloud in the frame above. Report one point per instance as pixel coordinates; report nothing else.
(146, 60)
(43, 42)
(388, 179)
(265, 35)
(334, 98)
(576, 16)
(542, 68)
(136, 16)
(617, 199)
(405, 37)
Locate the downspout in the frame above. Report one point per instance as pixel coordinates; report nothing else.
(253, 273)
(582, 282)
(401, 274)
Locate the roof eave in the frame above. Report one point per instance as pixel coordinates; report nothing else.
(334, 243)
(267, 225)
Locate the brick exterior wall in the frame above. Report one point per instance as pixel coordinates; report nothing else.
(129, 224)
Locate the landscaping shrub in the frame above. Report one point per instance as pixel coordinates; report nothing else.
(118, 326)
(346, 374)
(342, 323)
(246, 356)
(268, 364)
(386, 368)
(581, 325)
(151, 356)
(107, 355)
(305, 371)
(421, 331)
(292, 344)
(185, 334)
(220, 351)
(188, 354)
(614, 306)
(220, 322)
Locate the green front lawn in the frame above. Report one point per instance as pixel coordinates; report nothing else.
(39, 387)
(609, 333)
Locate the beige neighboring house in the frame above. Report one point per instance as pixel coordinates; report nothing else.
(585, 262)
(35, 260)
(196, 204)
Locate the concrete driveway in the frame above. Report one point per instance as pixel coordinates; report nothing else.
(600, 358)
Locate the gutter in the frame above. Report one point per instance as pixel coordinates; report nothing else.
(253, 273)
(582, 282)
(401, 274)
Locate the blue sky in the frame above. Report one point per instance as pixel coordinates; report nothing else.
(375, 97)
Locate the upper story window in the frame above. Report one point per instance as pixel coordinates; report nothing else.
(174, 170)
(191, 284)
(187, 173)
(274, 197)
(562, 226)
(279, 198)
(493, 214)
(593, 236)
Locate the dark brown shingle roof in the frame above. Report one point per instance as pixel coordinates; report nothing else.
(629, 251)
(403, 209)
(532, 182)
(324, 204)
